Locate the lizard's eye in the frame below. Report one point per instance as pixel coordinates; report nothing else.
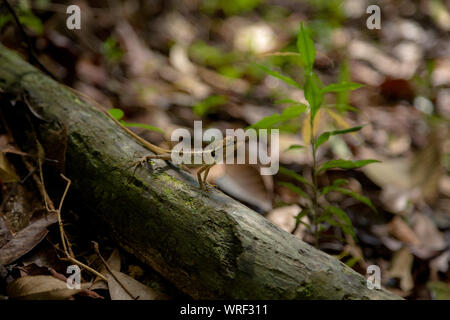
(213, 153)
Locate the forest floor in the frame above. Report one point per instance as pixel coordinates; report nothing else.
(169, 63)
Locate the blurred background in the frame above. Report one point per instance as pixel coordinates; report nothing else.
(168, 63)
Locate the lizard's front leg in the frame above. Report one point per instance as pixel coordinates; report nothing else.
(162, 156)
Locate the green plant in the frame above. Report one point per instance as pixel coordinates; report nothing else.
(111, 50)
(320, 214)
(25, 16)
(118, 115)
(229, 7)
(208, 105)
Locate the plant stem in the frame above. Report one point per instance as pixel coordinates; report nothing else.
(315, 207)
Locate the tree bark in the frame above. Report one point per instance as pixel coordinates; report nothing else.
(205, 243)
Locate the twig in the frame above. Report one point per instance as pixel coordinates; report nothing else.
(21, 153)
(51, 208)
(111, 271)
(64, 239)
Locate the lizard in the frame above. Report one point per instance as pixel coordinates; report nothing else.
(228, 144)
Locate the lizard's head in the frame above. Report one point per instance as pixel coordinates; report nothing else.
(225, 146)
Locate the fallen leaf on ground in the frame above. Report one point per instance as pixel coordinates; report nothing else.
(430, 239)
(114, 263)
(40, 288)
(289, 156)
(440, 264)
(83, 292)
(401, 266)
(400, 229)
(5, 234)
(7, 172)
(26, 239)
(137, 289)
(246, 184)
(284, 217)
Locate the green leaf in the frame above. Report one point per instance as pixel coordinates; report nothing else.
(345, 107)
(293, 112)
(346, 226)
(342, 98)
(295, 175)
(313, 93)
(4, 19)
(287, 101)
(143, 126)
(305, 47)
(298, 218)
(287, 114)
(301, 214)
(343, 86)
(358, 197)
(112, 50)
(208, 104)
(294, 147)
(283, 78)
(28, 19)
(266, 122)
(345, 164)
(336, 183)
(294, 188)
(116, 113)
(352, 261)
(326, 135)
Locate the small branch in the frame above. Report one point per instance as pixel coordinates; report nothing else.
(315, 207)
(51, 208)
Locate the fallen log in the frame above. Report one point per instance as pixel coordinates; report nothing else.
(205, 243)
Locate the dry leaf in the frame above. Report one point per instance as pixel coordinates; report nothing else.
(26, 239)
(386, 64)
(137, 289)
(298, 156)
(400, 229)
(390, 173)
(139, 58)
(284, 217)
(430, 239)
(253, 113)
(19, 206)
(114, 263)
(7, 172)
(401, 266)
(5, 234)
(441, 73)
(40, 288)
(440, 264)
(245, 183)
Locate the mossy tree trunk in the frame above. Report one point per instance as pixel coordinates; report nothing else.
(205, 243)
